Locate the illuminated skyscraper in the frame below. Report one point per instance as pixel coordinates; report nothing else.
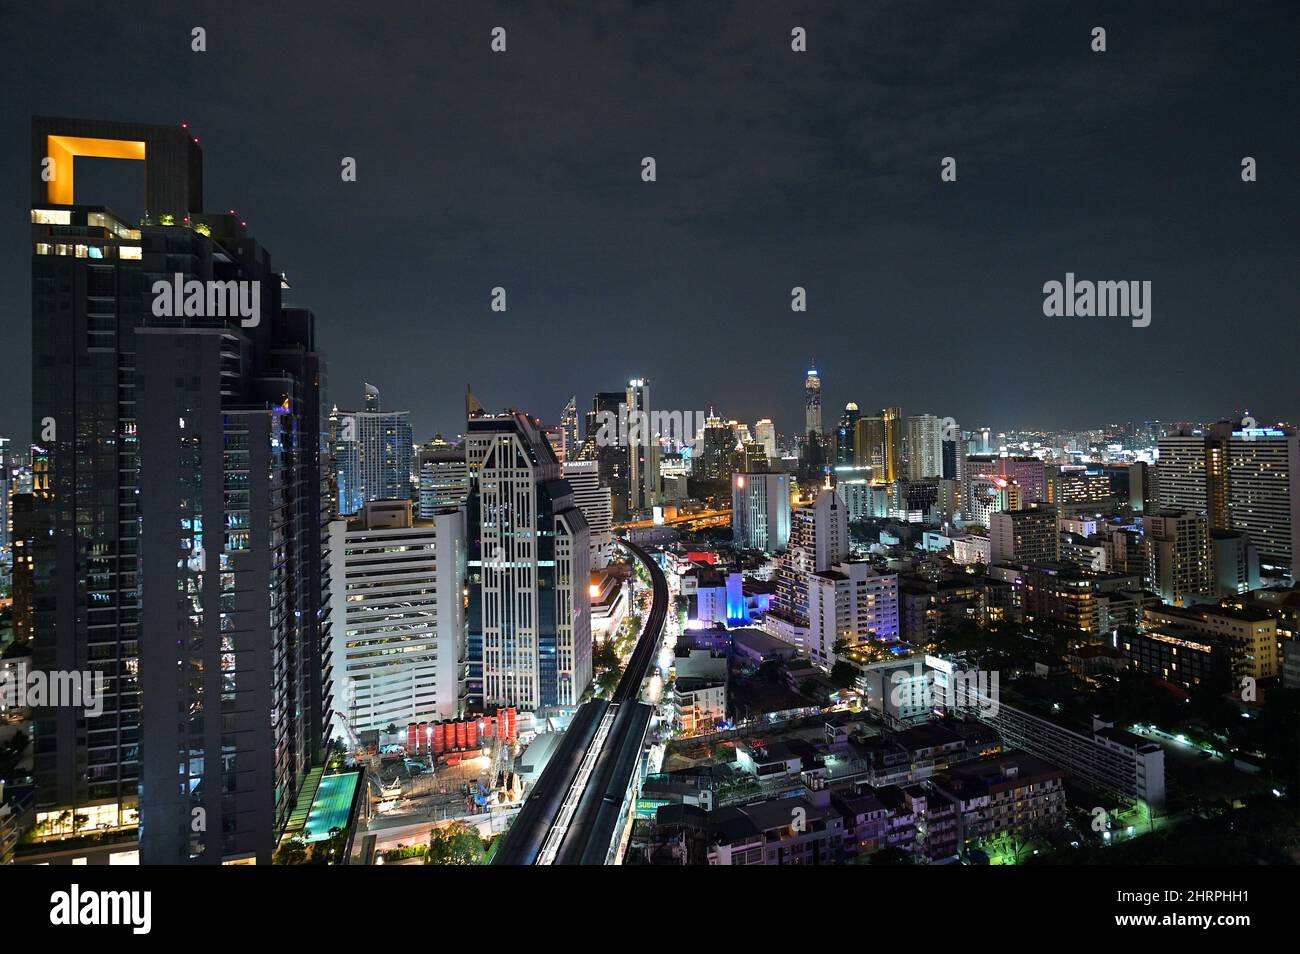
(760, 511)
(444, 477)
(372, 451)
(878, 444)
(891, 419)
(399, 581)
(1179, 558)
(643, 448)
(1192, 472)
(1025, 536)
(812, 391)
(844, 435)
(178, 539)
(1027, 473)
(954, 463)
(1236, 562)
(569, 421)
(717, 450)
(528, 570)
(6, 491)
(1180, 472)
(623, 437)
(924, 447)
(765, 434)
(1263, 494)
(851, 602)
(594, 500)
(21, 509)
(605, 447)
(558, 438)
(869, 446)
(819, 537)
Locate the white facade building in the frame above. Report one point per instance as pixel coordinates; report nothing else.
(399, 619)
(864, 499)
(444, 482)
(851, 602)
(972, 548)
(529, 570)
(1264, 494)
(596, 503)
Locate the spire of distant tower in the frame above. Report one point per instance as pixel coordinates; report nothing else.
(472, 406)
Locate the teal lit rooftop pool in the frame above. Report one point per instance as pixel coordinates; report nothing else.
(332, 805)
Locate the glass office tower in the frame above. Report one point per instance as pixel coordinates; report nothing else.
(178, 547)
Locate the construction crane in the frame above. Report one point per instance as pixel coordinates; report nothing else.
(365, 757)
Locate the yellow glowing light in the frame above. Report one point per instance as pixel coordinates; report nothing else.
(740, 481)
(64, 149)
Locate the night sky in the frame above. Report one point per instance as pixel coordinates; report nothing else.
(775, 169)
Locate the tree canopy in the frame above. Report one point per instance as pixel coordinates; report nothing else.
(455, 844)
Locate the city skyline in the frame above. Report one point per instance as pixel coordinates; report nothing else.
(853, 436)
(775, 169)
